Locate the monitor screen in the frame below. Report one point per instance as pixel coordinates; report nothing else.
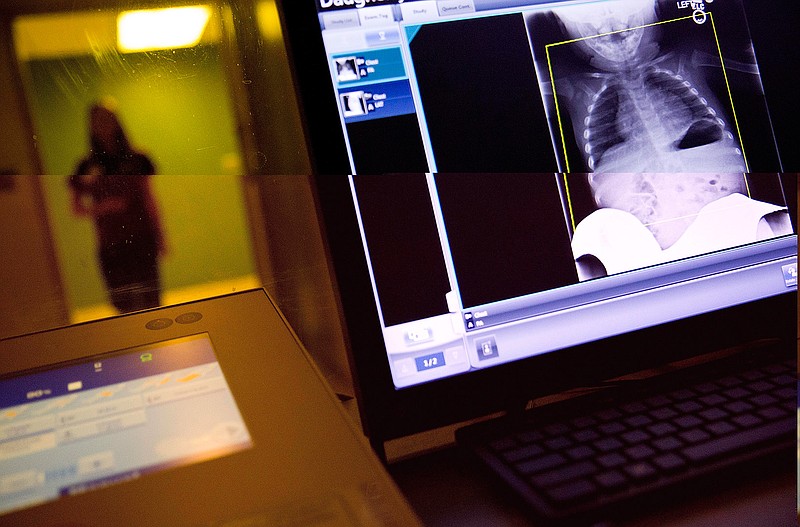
(544, 85)
(472, 271)
(113, 418)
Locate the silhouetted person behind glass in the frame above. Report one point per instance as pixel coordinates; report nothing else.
(112, 185)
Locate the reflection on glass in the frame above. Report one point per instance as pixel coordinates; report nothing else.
(127, 221)
(202, 220)
(150, 29)
(175, 99)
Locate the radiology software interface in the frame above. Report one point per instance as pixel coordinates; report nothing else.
(474, 270)
(559, 85)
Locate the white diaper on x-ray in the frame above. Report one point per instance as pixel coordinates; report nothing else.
(619, 241)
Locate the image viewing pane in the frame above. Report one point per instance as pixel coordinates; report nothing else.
(643, 86)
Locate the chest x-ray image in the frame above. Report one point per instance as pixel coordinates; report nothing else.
(639, 86)
(647, 219)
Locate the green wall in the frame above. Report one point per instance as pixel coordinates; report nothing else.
(204, 221)
(174, 105)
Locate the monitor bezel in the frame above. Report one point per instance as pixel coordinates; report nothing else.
(389, 413)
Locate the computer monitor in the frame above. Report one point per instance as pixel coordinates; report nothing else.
(544, 85)
(473, 282)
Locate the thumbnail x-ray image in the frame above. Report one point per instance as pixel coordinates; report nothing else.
(636, 86)
(346, 69)
(353, 103)
(646, 219)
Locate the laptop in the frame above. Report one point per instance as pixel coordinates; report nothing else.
(207, 413)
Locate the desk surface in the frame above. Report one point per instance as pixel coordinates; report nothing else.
(448, 489)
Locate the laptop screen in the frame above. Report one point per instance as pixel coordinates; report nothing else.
(471, 271)
(86, 425)
(535, 85)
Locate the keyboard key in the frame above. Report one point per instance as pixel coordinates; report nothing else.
(772, 413)
(688, 407)
(641, 471)
(505, 443)
(713, 414)
(669, 462)
(608, 444)
(663, 413)
(562, 475)
(635, 436)
(687, 421)
(738, 407)
(558, 443)
(612, 428)
(667, 443)
(584, 436)
(611, 480)
(639, 452)
(530, 436)
(694, 436)
(541, 464)
(720, 428)
(741, 440)
(784, 380)
(581, 452)
(638, 421)
(522, 453)
(713, 399)
(612, 460)
(729, 381)
(736, 393)
(747, 420)
(572, 492)
(760, 387)
(763, 399)
(662, 429)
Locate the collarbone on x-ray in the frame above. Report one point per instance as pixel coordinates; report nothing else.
(643, 110)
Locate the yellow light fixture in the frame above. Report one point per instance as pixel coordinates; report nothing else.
(151, 29)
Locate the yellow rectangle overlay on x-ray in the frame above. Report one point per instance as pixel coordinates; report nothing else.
(574, 223)
(690, 17)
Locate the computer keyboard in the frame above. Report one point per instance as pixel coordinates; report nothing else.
(587, 460)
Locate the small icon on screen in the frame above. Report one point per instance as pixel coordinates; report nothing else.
(75, 386)
(790, 274)
(487, 348)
